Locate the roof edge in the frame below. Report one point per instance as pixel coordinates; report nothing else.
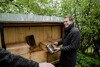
(8, 17)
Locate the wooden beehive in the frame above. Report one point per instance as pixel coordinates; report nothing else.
(17, 30)
(26, 55)
(53, 57)
(39, 56)
(18, 48)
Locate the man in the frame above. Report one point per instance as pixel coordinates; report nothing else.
(70, 43)
(9, 60)
(97, 44)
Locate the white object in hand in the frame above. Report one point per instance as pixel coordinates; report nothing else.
(46, 65)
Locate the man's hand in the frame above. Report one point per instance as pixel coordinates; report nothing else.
(57, 49)
(99, 50)
(55, 43)
(46, 65)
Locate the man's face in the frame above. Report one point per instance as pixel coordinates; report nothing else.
(67, 22)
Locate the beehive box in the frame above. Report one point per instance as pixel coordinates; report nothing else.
(36, 48)
(18, 48)
(53, 57)
(27, 55)
(39, 56)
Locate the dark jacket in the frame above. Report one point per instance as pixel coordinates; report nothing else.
(97, 46)
(70, 44)
(9, 60)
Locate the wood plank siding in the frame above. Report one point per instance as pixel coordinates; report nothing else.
(42, 33)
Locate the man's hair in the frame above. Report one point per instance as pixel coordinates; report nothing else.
(70, 18)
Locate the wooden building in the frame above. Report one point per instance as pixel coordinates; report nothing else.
(16, 27)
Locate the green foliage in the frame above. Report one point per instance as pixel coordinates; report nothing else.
(85, 61)
(38, 7)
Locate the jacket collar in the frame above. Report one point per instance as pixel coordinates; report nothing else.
(67, 29)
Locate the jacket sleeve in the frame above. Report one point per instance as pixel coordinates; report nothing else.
(74, 42)
(9, 60)
(60, 42)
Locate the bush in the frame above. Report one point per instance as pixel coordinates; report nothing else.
(86, 61)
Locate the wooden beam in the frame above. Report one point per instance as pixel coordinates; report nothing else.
(30, 24)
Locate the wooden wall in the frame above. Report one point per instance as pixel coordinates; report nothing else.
(42, 33)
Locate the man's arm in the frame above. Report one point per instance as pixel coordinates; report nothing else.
(60, 42)
(9, 60)
(57, 43)
(74, 42)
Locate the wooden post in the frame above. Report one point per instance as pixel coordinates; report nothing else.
(2, 42)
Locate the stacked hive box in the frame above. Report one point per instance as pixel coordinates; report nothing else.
(19, 49)
(51, 58)
(37, 53)
(23, 49)
(39, 56)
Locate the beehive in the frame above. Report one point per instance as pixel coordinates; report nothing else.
(26, 55)
(39, 56)
(18, 48)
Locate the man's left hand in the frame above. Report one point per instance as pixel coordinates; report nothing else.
(57, 49)
(99, 50)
